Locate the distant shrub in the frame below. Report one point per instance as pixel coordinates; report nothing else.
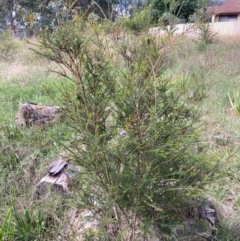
(205, 36)
(140, 20)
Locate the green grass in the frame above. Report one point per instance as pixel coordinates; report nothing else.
(218, 71)
(26, 152)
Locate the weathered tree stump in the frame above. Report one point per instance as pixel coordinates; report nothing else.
(30, 114)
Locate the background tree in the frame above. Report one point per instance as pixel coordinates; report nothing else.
(57, 6)
(182, 9)
(38, 14)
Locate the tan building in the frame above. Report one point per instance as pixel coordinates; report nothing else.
(228, 11)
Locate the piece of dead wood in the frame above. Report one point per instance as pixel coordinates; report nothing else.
(57, 167)
(36, 114)
(58, 183)
(58, 177)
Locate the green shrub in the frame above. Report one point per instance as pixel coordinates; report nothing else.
(141, 164)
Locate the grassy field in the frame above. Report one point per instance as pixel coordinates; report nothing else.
(26, 152)
(217, 70)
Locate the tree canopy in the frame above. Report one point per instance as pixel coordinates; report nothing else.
(51, 12)
(83, 5)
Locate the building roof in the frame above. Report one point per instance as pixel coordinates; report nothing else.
(227, 7)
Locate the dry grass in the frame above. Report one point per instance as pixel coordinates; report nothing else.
(216, 71)
(25, 65)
